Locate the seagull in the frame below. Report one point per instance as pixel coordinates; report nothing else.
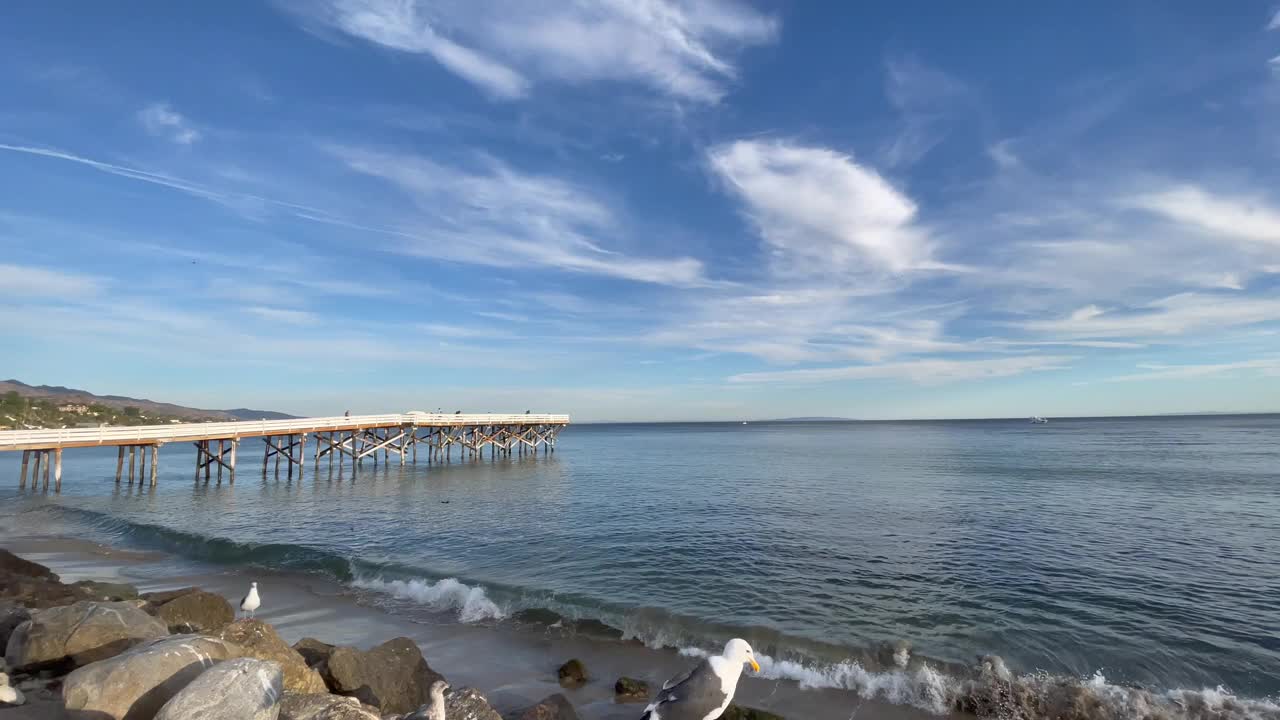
(251, 601)
(433, 710)
(704, 692)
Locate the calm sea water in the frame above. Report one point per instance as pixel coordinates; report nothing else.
(1147, 550)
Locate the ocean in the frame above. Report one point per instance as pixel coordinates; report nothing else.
(1137, 559)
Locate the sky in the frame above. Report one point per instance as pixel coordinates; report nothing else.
(645, 209)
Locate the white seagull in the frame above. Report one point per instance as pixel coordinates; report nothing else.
(433, 710)
(251, 601)
(704, 692)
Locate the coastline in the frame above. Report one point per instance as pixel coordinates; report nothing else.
(515, 667)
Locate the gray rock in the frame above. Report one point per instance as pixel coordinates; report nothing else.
(322, 706)
(40, 592)
(553, 707)
(240, 689)
(108, 592)
(197, 612)
(314, 652)
(164, 596)
(11, 616)
(137, 683)
(737, 712)
(258, 639)
(469, 704)
(393, 677)
(79, 634)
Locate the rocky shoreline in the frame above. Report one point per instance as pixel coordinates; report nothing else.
(94, 650)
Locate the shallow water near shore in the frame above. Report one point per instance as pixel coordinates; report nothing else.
(877, 560)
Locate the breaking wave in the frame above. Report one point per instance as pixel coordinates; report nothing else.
(472, 603)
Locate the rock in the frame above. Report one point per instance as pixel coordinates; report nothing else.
(572, 674)
(11, 696)
(393, 677)
(258, 639)
(11, 616)
(240, 689)
(322, 706)
(11, 564)
(165, 596)
(630, 690)
(197, 612)
(553, 707)
(736, 712)
(469, 704)
(38, 592)
(314, 652)
(136, 683)
(79, 634)
(108, 592)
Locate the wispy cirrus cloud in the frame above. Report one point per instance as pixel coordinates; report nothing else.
(1181, 314)
(284, 315)
(1269, 367)
(27, 281)
(1248, 219)
(496, 215)
(680, 49)
(161, 120)
(921, 372)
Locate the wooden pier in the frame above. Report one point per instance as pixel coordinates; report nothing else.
(352, 439)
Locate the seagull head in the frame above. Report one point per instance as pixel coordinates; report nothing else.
(253, 585)
(439, 687)
(738, 651)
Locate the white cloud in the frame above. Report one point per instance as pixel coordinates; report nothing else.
(921, 372)
(927, 99)
(281, 315)
(501, 217)
(161, 120)
(822, 212)
(1265, 366)
(25, 281)
(680, 48)
(1243, 218)
(1275, 22)
(1171, 316)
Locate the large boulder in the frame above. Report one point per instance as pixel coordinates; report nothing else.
(297, 706)
(737, 712)
(553, 707)
(108, 592)
(469, 704)
(11, 564)
(315, 653)
(572, 674)
(75, 635)
(11, 616)
(259, 640)
(628, 689)
(164, 596)
(240, 689)
(393, 677)
(40, 592)
(136, 684)
(197, 612)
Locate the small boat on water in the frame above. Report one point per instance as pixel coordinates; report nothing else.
(1036, 420)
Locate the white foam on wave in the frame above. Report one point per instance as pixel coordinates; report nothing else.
(996, 690)
(471, 603)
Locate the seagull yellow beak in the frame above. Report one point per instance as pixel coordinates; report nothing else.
(755, 666)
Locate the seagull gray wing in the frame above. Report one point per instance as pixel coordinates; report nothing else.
(692, 696)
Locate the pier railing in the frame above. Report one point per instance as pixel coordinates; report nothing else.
(174, 432)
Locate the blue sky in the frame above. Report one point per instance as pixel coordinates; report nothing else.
(645, 209)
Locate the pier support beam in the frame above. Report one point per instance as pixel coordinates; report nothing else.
(293, 448)
(207, 457)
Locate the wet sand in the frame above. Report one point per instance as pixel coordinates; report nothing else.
(514, 667)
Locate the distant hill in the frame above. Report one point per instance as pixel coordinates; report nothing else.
(813, 419)
(155, 410)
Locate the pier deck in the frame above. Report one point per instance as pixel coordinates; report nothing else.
(355, 437)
